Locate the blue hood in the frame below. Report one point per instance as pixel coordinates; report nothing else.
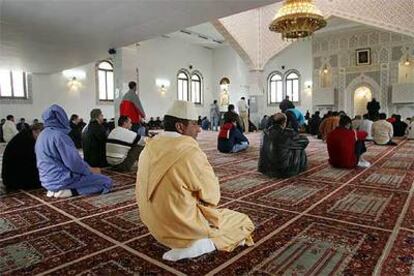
(56, 117)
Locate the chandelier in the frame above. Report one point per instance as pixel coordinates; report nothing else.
(297, 19)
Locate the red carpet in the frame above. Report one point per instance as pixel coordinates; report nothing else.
(323, 222)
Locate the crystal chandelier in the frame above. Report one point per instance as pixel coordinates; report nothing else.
(297, 19)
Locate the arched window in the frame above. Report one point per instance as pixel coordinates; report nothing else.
(275, 89)
(196, 88)
(182, 86)
(292, 86)
(13, 84)
(105, 81)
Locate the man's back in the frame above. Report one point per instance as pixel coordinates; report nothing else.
(93, 143)
(341, 148)
(9, 130)
(382, 132)
(172, 185)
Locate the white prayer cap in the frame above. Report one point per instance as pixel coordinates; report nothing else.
(183, 110)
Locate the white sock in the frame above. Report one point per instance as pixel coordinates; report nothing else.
(50, 194)
(63, 193)
(198, 248)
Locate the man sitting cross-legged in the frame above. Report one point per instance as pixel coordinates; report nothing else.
(61, 169)
(123, 146)
(283, 150)
(230, 139)
(382, 131)
(345, 146)
(178, 192)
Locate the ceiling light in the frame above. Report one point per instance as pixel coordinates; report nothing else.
(297, 19)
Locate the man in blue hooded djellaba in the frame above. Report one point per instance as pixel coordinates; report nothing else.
(62, 171)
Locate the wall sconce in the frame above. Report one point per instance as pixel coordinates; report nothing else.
(325, 69)
(308, 87)
(162, 85)
(407, 61)
(74, 77)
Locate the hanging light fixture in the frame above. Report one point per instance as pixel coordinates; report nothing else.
(297, 19)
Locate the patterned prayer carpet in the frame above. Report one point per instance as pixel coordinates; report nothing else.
(325, 221)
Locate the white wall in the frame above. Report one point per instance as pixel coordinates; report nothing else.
(162, 58)
(50, 89)
(297, 56)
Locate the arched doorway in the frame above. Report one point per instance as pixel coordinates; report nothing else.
(362, 96)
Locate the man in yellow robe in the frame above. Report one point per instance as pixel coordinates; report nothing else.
(178, 192)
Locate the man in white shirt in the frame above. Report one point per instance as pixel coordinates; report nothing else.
(366, 125)
(244, 113)
(123, 146)
(9, 129)
(382, 131)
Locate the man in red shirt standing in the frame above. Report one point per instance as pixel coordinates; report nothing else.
(131, 106)
(346, 146)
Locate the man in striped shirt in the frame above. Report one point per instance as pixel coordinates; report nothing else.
(123, 146)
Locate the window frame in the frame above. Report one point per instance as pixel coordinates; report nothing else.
(286, 84)
(25, 88)
(187, 79)
(200, 86)
(106, 100)
(269, 89)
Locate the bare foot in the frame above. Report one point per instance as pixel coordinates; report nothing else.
(95, 170)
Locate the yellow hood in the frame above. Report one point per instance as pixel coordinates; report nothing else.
(159, 154)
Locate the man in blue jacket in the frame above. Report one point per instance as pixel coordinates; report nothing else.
(62, 171)
(230, 138)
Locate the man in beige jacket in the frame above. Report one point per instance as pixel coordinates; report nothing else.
(178, 192)
(382, 131)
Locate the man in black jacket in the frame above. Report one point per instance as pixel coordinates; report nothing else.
(19, 170)
(94, 141)
(283, 150)
(373, 108)
(76, 132)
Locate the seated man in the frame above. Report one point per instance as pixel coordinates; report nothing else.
(22, 125)
(382, 131)
(19, 169)
(345, 146)
(94, 141)
(76, 132)
(328, 125)
(178, 192)
(61, 169)
(158, 123)
(366, 125)
(283, 150)
(123, 146)
(230, 112)
(399, 126)
(9, 129)
(230, 139)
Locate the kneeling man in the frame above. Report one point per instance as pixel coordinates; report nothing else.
(178, 192)
(282, 153)
(346, 146)
(123, 146)
(62, 171)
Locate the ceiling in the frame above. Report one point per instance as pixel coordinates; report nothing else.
(205, 35)
(45, 36)
(248, 32)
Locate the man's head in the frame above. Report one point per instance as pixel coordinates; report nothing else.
(10, 118)
(287, 98)
(382, 116)
(74, 118)
(230, 107)
(35, 121)
(158, 118)
(365, 116)
(125, 122)
(231, 118)
(132, 85)
(215, 101)
(357, 117)
(3, 121)
(335, 113)
(279, 119)
(317, 113)
(96, 115)
(152, 119)
(345, 122)
(243, 98)
(374, 100)
(182, 118)
(22, 120)
(36, 129)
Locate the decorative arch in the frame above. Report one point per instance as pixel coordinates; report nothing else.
(361, 80)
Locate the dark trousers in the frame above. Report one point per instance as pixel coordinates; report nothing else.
(360, 148)
(130, 160)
